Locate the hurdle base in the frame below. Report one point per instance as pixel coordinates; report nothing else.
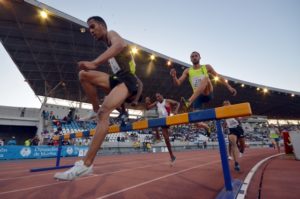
(51, 168)
(236, 185)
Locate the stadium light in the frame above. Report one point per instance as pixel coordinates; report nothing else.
(258, 89)
(82, 30)
(265, 90)
(216, 78)
(226, 80)
(152, 57)
(243, 85)
(43, 14)
(169, 63)
(292, 95)
(134, 50)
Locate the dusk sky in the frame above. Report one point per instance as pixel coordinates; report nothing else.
(255, 41)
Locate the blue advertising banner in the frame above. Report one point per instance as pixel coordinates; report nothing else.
(23, 152)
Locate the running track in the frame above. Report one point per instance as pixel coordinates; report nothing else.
(196, 174)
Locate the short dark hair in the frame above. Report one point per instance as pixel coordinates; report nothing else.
(158, 94)
(195, 52)
(98, 19)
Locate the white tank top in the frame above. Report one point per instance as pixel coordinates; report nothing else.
(161, 108)
(232, 123)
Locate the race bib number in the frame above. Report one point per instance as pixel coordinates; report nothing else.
(232, 123)
(114, 65)
(196, 81)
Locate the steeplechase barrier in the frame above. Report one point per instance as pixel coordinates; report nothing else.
(238, 110)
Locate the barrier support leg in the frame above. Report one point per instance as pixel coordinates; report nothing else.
(231, 187)
(58, 155)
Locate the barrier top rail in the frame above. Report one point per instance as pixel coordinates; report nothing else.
(236, 110)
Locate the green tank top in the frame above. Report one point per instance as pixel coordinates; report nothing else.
(273, 134)
(196, 75)
(123, 61)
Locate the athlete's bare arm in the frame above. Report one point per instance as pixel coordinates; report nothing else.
(149, 106)
(139, 92)
(181, 79)
(174, 103)
(117, 45)
(211, 71)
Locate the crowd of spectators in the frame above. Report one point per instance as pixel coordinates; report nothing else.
(184, 133)
(32, 141)
(145, 138)
(2, 142)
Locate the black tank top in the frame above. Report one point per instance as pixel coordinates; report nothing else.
(124, 61)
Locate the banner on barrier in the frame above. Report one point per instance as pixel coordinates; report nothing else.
(31, 152)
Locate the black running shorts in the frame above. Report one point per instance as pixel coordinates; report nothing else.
(128, 79)
(238, 131)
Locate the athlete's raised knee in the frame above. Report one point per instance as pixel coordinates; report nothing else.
(83, 75)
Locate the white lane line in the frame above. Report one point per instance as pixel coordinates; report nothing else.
(29, 188)
(29, 176)
(67, 162)
(95, 175)
(20, 170)
(103, 166)
(156, 179)
(70, 162)
(243, 190)
(159, 178)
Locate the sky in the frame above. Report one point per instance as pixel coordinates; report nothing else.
(251, 40)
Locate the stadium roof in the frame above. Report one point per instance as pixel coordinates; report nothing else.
(46, 52)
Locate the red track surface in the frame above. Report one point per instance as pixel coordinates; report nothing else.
(196, 174)
(277, 178)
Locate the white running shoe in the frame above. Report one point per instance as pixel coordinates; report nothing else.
(78, 170)
(241, 155)
(91, 116)
(230, 158)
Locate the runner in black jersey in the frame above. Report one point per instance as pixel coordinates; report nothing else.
(119, 87)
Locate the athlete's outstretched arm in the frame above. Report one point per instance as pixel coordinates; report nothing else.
(211, 70)
(117, 45)
(149, 106)
(181, 79)
(174, 103)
